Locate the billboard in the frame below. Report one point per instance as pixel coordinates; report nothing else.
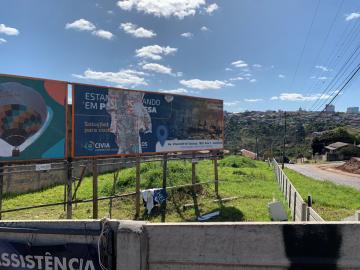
(17, 255)
(110, 122)
(32, 118)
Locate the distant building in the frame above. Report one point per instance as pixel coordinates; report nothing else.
(353, 110)
(335, 146)
(247, 153)
(341, 151)
(330, 108)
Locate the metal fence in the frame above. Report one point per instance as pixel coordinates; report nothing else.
(71, 175)
(300, 210)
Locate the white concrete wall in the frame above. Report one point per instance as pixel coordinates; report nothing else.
(212, 246)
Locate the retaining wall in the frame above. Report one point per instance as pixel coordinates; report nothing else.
(31, 180)
(210, 246)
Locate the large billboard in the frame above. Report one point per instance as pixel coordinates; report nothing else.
(32, 118)
(110, 122)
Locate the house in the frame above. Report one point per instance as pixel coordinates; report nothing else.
(341, 151)
(247, 153)
(334, 147)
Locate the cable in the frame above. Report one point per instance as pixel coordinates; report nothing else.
(347, 82)
(304, 46)
(337, 77)
(338, 52)
(327, 35)
(103, 223)
(330, 91)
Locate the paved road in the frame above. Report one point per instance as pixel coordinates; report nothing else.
(327, 172)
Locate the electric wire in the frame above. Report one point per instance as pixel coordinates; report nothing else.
(321, 50)
(335, 60)
(305, 44)
(348, 81)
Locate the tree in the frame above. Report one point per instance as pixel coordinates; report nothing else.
(300, 133)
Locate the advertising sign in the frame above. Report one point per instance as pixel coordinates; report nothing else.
(24, 256)
(32, 118)
(109, 121)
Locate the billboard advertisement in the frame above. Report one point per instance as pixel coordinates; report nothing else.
(110, 122)
(32, 118)
(17, 255)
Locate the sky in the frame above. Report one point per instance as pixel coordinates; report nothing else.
(253, 54)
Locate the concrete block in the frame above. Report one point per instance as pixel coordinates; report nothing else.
(132, 246)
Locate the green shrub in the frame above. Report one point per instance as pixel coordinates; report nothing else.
(237, 162)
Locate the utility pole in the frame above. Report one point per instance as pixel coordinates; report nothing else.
(257, 148)
(283, 160)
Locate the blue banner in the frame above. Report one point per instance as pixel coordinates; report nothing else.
(25, 256)
(110, 122)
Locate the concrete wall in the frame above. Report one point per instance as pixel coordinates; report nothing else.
(210, 246)
(30, 180)
(214, 246)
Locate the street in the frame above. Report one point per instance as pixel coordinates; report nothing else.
(327, 172)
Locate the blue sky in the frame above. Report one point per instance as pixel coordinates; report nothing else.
(255, 55)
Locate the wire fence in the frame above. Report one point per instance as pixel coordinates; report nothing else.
(300, 210)
(71, 175)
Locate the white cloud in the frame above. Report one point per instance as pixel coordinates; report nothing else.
(299, 97)
(163, 8)
(123, 77)
(81, 25)
(237, 79)
(157, 68)
(257, 65)
(176, 91)
(138, 32)
(8, 30)
(179, 74)
(352, 16)
(110, 12)
(323, 68)
(204, 29)
(247, 75)
(202, 85)
(323, 78)
(187, 35)
(253, 80)
(154, 52)
(232, 103)
(211, 8)
(239, 64)
(84, 25)
(2, 40)
(281, 76)
(228, 69)
(253, 99)
(103, 34)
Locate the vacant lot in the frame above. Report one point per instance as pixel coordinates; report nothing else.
(251, 181)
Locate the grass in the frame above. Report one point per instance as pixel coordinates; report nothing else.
(330, 201)
(253, 182)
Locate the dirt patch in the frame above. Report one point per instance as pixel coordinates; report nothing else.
(351, 166)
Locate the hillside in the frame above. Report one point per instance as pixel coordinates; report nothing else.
(243, 129)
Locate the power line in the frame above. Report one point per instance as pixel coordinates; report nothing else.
(338, 52)
(304, 46)
(327, 35)
(356, 70)
(338, 76)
